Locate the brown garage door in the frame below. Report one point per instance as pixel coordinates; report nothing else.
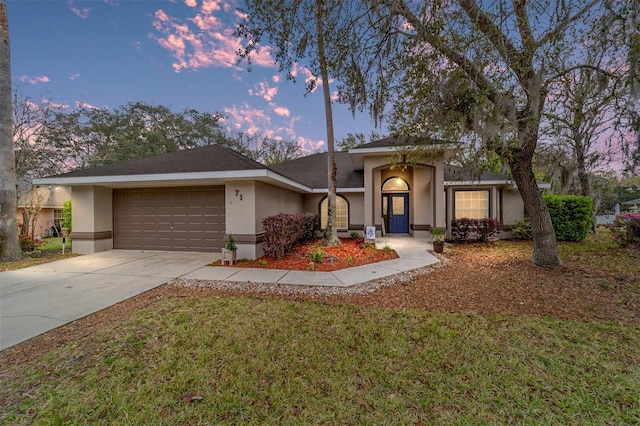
(181, 219)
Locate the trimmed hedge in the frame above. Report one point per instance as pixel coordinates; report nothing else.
(465, 229)
(571, 215)
(283, 232)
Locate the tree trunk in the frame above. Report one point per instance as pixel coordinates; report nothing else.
(10, 247)
(331, 237)
(583, 175)
(545, 246)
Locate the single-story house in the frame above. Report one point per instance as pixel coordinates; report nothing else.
(192, 200)
(41, 208)
(634, 205)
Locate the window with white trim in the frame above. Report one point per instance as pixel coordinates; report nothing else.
(58, 217)
(342, 212)
(471, 204)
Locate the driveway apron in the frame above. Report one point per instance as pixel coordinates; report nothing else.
(40, 298)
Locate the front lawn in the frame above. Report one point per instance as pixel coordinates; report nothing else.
(487, 339)
(50, 251)
(268, 361)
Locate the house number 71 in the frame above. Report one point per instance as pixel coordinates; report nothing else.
(238, 194)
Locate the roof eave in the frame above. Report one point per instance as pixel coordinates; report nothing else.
(175, 179)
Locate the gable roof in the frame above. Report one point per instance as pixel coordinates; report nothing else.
(312, 171)
(201, 159)
(215, 164)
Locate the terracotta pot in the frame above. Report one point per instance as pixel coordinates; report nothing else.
(438, 246)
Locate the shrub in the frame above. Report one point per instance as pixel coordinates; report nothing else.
(317, 255)
(626, 228)
(231, 243)
(522, 229)
(66, 216)
(283, 232)
(354, 235)
(571, 215)
(27, 243)
(466, 230)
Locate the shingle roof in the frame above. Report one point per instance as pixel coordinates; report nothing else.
(312, 171)
(201, 159)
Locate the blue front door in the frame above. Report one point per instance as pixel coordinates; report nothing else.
(398, 213)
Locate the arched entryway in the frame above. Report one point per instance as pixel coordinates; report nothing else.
(395, 205)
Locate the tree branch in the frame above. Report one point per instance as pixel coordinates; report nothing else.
(400, 8)
(497, 38)
(564, 24)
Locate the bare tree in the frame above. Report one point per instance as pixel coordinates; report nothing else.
(8, 225)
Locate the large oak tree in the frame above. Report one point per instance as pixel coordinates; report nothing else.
(483, 69)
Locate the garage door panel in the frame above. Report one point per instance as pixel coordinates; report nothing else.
(185, 219)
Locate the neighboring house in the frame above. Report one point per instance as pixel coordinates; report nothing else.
(42, 208)
(191, 200)
(634, 205)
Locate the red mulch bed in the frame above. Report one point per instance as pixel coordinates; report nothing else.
(346, 255)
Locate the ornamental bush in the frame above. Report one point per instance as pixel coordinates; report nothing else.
(28, 243)
(571, 215)
(626, 228)
(283, 232)
(467, 230)
(66, 216)
(521, 230)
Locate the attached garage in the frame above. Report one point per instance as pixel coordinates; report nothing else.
(175, 219)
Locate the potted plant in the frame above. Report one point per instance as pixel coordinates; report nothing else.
(229, 252)
(437, 238)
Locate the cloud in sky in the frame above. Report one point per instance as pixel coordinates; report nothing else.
(74, 76)
(281, 111)
(204, 40)
(246, 118)
(263, 90)
(35, 80)
(83, 13)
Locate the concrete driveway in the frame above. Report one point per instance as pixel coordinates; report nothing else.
(40, 298)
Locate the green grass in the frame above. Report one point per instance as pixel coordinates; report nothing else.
(51, 250)
(270, 361)
(49, 244)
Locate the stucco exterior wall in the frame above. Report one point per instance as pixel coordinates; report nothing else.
(512, 207)
(247, 202)
(271, 200)
(92, 215)
(240, 216)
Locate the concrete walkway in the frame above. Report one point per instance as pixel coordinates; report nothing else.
(413, 253)
(40, 298)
